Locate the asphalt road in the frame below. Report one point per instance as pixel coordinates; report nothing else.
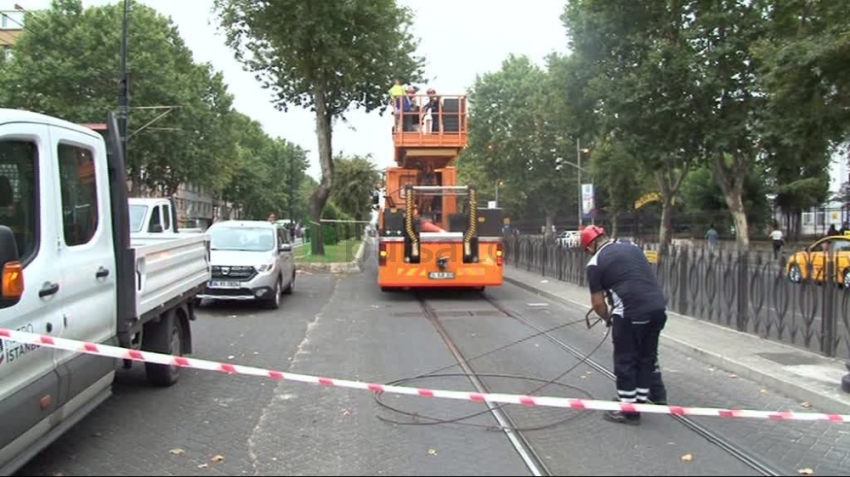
(346, 328)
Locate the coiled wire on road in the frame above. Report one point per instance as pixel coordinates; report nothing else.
(438, 373)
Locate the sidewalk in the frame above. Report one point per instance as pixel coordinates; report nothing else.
(802, 375)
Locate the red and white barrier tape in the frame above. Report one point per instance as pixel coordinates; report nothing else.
(579, 404)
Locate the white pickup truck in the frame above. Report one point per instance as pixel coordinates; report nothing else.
(150, 216)
(69, 269)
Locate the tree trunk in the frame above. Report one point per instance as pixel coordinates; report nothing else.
(665, 235)
(322, 193)
(550, 221)
(135, 178)
(731, 183)
(615, 224)
(736, 208)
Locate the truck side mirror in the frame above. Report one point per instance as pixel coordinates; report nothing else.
(11, 269)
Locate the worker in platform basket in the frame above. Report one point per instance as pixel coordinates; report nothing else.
(621, 273)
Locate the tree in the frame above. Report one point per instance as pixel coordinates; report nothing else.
(326, 56)
(354, 181)
(517, 139)
(807, 114)
(702, 197)
(641, 81)
(66, 64)
(262, 176)
(728, 98)
(623, 185)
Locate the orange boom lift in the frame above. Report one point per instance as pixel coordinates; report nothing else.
(432, 233)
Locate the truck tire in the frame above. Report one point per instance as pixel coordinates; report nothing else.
(165, 337)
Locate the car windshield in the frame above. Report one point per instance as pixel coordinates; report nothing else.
(137, 216)
(244, 239)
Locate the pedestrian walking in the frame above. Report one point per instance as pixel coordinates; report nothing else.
(619, 275)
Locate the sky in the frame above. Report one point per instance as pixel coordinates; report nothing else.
(459, 39)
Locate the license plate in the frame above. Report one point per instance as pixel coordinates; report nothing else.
(228, 285)
(441, 275)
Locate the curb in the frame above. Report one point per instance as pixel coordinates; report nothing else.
(337, 267)
(793, 390)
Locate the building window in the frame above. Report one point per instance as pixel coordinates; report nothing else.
(7, 52)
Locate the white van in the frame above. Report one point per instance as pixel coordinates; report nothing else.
(68, 269)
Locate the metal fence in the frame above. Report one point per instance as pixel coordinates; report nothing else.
(797, 299)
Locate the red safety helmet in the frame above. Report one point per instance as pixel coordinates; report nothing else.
(591, 233)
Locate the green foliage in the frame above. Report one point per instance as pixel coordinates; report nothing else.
(749, 93)
(701, 194)
(617, 176)
(517, 138)
(266, 171)
(354, 181)
(66, 65)
(330, 57)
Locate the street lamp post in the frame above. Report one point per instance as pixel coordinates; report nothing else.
(498, 183)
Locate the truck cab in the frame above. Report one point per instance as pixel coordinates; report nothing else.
(68, 269)
(154, 216)
(151, 216)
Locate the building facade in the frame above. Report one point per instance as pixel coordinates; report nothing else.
(11, 26)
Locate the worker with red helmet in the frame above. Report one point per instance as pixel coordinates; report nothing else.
(621, 273)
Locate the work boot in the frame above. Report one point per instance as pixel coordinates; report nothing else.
(620, 417)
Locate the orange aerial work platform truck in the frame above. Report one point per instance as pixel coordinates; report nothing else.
(432, 233)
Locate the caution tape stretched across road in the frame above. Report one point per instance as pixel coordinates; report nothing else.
(578, 404)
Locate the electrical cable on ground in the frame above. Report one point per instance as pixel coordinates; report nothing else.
(459, 420)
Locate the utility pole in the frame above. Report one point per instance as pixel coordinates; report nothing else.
(124, 93)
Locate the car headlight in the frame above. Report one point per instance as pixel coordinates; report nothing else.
(266, 267)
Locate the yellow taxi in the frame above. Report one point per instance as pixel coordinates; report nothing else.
(814, 258)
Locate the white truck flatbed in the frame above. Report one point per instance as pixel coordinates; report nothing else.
(168, 268)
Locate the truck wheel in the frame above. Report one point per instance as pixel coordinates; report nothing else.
(167, 338)
(274, 302)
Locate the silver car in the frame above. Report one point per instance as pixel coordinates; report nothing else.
(251, 260)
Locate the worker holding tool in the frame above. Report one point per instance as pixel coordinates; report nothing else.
(621, 273)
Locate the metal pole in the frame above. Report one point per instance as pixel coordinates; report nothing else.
(292, 191)
(497, 193)
(124, 94)
(578, 156)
